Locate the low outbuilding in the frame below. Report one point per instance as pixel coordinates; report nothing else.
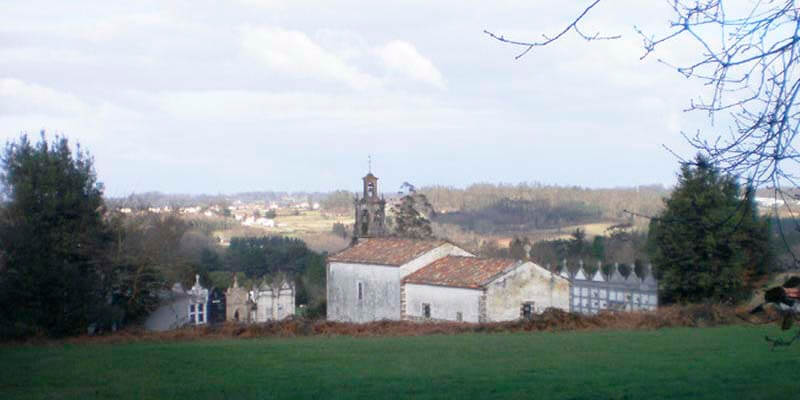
(470, 289)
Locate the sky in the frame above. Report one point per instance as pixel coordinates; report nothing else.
(248, 95)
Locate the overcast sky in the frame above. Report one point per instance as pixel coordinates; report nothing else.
(220, 97)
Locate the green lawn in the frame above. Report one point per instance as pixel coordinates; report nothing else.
(723, 363)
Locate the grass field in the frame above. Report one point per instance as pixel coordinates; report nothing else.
(687, 363)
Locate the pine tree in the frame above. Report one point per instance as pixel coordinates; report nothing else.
(709, 242)
(411, 217)
(53, 239)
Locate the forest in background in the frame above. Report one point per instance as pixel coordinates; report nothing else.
(559, 204)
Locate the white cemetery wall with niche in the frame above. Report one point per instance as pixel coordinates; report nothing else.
(614, 292)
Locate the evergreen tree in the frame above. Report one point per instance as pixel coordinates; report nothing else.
(708, 243)
(578, 243)
(599, 247)
(53, 239)
(265, 256)
(412, 217)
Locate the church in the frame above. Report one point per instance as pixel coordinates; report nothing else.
(381, 277)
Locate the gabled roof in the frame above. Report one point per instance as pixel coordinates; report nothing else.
(616, 276)
(598, 276)
(385, 251)
(460, 271)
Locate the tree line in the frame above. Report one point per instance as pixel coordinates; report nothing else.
(515, 215)
(69, 265)
(608, 203)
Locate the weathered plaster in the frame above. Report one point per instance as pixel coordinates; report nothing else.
(274, 304)
(445, 302)
(380, 292)
(527, 282)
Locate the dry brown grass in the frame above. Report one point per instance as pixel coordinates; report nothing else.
(551, 320)
(325, 241)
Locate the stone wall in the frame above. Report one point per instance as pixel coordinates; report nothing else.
(238, 304)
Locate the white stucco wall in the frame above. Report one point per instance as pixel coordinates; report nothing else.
(271, 307)
(526, 283)
(380, 292)
(380, 285)
(445, 302)
(172, 313)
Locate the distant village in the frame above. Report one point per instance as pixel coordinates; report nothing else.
(249, 214)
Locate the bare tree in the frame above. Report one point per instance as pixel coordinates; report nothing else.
(749, 60)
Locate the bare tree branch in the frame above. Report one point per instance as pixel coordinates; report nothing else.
(748, 59)
(550, 39)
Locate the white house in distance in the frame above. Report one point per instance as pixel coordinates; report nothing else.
(473, 289)
(364, 279)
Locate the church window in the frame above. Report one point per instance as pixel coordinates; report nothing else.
(527, 310)
(459, 316)
(360, 291)
(191, 312)
(370, 189)
(200, 314)
(426, 310)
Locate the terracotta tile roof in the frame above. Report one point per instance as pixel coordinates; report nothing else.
(458, 271)
(385, 251)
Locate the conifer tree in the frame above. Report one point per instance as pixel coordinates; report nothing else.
(53, 239)
(709, 242)
(411, 217)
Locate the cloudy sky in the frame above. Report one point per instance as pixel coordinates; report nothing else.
(220, 97)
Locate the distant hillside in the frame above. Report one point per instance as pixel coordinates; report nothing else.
(494, 208)
(513, 216)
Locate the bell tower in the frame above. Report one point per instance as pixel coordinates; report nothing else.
(370, 209)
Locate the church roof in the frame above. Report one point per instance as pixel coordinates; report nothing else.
(459, 271)
(385, 251)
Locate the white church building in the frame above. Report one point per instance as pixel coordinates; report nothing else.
(364, 279)
(386, 278)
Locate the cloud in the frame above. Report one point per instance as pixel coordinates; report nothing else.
(402, 58)
(18, 97)
(294, 53)
(347, 112)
